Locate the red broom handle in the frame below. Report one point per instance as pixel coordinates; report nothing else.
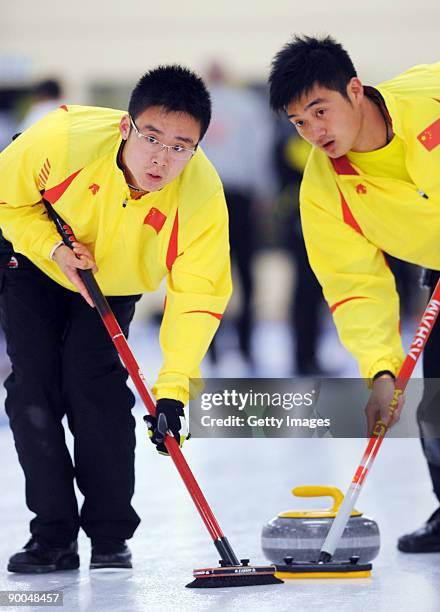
(415, 350)
(380, 428)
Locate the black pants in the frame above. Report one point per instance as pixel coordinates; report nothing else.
(428, 411)
(307, 301)
(241, 238)
(241, 234)
(64, 363)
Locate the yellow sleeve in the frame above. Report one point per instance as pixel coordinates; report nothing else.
(357, 285)
(198, 290)
(422, 80)
(25, 167)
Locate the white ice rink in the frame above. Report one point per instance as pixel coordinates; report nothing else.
(246, 482)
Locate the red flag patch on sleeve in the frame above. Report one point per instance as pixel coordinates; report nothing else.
(156, 219)
(430, 137)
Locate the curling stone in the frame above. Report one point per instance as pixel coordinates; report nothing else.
(297, 536)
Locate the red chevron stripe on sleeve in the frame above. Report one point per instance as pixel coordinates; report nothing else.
(337, 304)
(217, 315)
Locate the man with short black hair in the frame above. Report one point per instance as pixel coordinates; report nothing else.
(145, 203)
(371, 185)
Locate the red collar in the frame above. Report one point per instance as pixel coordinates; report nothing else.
(341, 165)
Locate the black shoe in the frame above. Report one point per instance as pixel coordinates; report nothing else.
(423, 540)
(106, 556)
(38, 558)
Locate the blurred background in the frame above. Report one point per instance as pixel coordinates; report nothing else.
(277, 324)
(93, 53)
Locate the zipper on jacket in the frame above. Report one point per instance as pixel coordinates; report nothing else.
(422, 193)
(124, 203)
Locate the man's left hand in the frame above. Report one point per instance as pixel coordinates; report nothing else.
(378, 406)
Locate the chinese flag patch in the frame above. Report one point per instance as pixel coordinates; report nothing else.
(430, 137)
(156, 219)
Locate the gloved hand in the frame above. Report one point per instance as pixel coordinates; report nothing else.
(169, 418)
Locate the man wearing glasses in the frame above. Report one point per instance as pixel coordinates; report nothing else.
(145, 203)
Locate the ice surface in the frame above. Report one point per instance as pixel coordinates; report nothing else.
(246, 482)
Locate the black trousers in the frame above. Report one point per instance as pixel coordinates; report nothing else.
(241, 235)
(307, 301)
(428, 411)
(64, 363)
(241, 238)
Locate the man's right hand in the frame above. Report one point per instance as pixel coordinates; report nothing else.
(70, 261)
(378, 406)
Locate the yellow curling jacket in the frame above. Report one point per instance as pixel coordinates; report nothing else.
(350, 219)
(179, 232)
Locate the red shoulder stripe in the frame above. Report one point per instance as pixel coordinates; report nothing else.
(172, 245)
(347, 215)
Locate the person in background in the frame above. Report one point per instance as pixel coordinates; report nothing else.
(46, 96)
(291, 153)
(238, 142)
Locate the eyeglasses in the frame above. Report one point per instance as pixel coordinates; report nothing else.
(175, 152)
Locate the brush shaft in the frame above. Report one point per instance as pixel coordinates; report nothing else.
(374, 443)
(225, 551)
